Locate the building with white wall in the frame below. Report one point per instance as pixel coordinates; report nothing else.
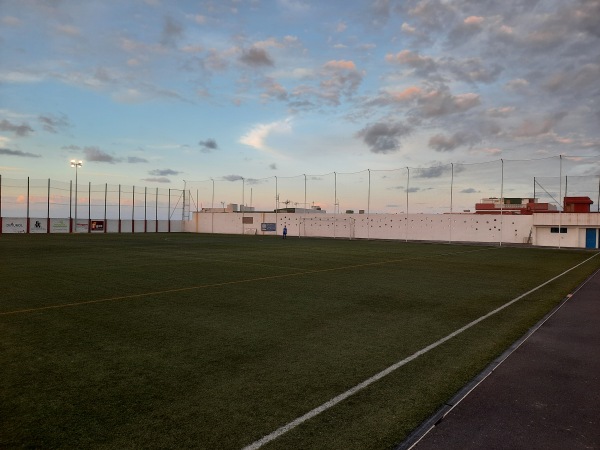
(581, 230)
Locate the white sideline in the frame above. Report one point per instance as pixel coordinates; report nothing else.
(334, 401)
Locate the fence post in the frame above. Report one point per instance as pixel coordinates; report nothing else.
(145, 209)
(451, 196)
(407, 187)
(501, 200)
(89, 206)
(119, 208)
(28, 223)
(133, 209)
(105, 197)
(70, 205)
(48, 213)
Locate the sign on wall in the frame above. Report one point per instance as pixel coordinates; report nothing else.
(268, 227)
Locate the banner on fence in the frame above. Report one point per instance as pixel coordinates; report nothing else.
(59, 225)
(14, 225)
(38, 226)
(98, 226)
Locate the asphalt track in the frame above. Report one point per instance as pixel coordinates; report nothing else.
(543, 393)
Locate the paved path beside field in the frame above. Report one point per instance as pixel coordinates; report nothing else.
(545, 395)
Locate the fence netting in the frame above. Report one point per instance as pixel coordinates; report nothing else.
(440, 188)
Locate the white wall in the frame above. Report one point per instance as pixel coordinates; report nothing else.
(575, 224)
(428, 227)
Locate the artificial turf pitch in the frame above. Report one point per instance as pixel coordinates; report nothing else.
(214, 341)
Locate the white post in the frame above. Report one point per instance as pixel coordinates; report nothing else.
(451, 197)
(335, 201)
(559, 198)
(407, 186)
(501, 200)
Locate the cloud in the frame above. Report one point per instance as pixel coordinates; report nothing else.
(533, 128)
(208, 145)
(339, 78)
(441, 103)
(517, 85)
(171, 32)
(575, 80)
(501, 111)
(273, 90)
(19, 130)
(465, 30)
(136, 160)
(294, 6)
(53, 123)
(472, 70)
(163, 172)
(443, 143)
(233, 177)
(8, 152)
(157, 180)
(68, 30)
(256, 57)
(257, 136)
(11, 21)
(422, 64)
(384, 137)
(435, 171)
(97, 155)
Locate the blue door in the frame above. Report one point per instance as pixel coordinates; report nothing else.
(590, 238)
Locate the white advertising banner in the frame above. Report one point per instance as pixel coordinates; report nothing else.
(81, 226)
(14, 225)
(38, 225)
(59, 225)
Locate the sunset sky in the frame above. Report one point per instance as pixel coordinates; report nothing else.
(154, 92)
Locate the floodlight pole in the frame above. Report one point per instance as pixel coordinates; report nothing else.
(77, 165)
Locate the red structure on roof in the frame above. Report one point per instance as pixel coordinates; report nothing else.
(528, 206)
(577, 204)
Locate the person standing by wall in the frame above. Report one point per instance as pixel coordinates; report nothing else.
(284, 231)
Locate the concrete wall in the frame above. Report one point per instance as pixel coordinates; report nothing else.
(426, 227)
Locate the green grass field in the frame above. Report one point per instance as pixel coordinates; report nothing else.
(214, 341)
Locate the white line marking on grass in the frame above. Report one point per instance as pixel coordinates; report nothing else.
(334, 401)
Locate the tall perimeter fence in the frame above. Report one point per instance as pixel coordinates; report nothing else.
(30, 205)
(441, 188)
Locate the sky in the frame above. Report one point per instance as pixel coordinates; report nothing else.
(161, 93)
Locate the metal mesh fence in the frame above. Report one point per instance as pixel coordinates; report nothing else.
(441, 188)
(56, 199)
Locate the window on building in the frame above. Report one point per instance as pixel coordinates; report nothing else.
(555, 230)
